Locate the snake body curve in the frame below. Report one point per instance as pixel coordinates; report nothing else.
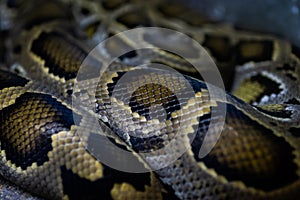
(256, 157)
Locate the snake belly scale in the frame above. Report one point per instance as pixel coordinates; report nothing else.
(43, 156)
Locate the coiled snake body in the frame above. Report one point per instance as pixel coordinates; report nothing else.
(257, 155)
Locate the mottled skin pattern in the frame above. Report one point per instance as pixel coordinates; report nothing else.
(256, 157)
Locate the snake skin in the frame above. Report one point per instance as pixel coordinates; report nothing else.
(44, 156)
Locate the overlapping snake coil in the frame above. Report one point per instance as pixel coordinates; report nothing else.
(44, 154)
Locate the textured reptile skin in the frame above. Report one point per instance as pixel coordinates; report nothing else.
(257, 155)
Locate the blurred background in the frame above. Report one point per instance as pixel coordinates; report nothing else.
(281, 17)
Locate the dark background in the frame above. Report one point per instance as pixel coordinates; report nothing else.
(281, 17)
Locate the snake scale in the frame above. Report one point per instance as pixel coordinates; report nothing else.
(43, 154)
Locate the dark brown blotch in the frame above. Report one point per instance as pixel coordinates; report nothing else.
(8, 79)
(62, 57)
(27, 127)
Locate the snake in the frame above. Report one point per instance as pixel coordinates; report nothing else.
(44, 138)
